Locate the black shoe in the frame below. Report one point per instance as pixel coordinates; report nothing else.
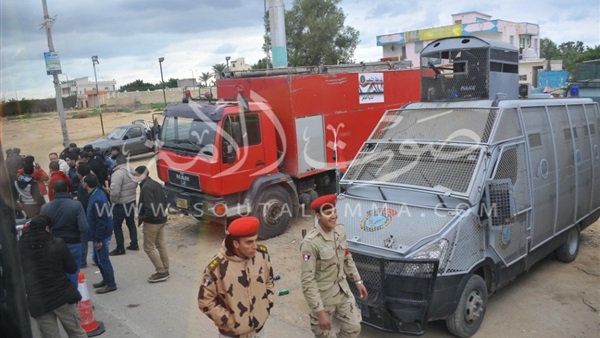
(106, 289)
(100, 284)
(83, 266)
(133, 248)
(117, 252)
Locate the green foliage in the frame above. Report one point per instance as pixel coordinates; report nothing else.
(205, 77)
(34, 106)
(157, 106)
(316, 34)
(261, 64)
(172, 83)
(549, 50)
(590, 54)
(218, 69)
(569, 52)
(136, 85)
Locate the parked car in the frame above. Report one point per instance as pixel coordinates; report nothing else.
(135, 138)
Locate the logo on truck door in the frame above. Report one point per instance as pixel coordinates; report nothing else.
(377, 219)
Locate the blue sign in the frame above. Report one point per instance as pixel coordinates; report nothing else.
(52, 63)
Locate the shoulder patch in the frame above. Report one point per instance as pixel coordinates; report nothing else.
(262, 248)
(312, 233)
(213, 264)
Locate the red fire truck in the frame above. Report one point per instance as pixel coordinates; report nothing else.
(278, 145)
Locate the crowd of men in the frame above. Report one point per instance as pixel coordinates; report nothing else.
(89, 196)
(84, 197)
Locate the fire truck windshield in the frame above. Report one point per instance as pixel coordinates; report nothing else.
(189, 135)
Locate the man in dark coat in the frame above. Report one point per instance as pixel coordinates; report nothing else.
(68, 221)
(46, 261)
(153, 216)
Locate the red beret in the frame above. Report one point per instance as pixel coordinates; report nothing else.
(244, 227)
(324, 202)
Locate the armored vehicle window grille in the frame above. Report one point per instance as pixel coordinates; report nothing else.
(456, 124)
(500, 202)
(509, 126)
(417, 164)
(454, 75)
(591, 129)
(513, 166)
(575, 132)
(535, 140)
(504, 55)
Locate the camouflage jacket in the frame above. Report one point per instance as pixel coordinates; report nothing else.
(326, 262)
(236, 293)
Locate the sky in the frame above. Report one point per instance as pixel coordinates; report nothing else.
(129, 36)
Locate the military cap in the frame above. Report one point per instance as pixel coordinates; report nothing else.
(324, 202)
(88, 147)
(244, 227)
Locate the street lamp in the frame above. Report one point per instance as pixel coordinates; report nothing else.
(160, 60)
(193, 78)
(227, 58)
(94, 62)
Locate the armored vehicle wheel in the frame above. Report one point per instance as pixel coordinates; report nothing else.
(274, 210)
(469, 313)
(568, 251)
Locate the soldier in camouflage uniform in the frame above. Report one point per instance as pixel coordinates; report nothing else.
(326, 263)
(237, 287)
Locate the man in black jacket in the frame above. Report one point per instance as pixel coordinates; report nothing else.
(153, 216)
(50, 295)
(67, 221)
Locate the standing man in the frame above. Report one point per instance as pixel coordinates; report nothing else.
(97, 165)
(122, 197)
(64, 167)
(71, 160)
(68, 221)
(30, 199)
(326, 263)
(237, 287)
(101, 226)
(83, 198)
(57, 175)
(46, 261)
(153, 216)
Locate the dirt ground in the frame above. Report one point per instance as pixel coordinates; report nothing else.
(551, 300)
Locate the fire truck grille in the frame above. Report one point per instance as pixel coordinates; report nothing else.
(184, 180)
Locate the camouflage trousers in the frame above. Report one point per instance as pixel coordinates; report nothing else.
(348, 316)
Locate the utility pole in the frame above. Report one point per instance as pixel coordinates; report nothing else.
(47, 24)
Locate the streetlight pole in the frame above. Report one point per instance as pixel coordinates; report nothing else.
(227, 58)
(160, 60)
(47, 24)
(94, 62)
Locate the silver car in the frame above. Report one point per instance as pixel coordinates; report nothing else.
(135, 138)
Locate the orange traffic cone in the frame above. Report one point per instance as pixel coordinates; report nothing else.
(89, 323)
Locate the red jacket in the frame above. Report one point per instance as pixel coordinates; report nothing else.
(58, 176)
(40, 176)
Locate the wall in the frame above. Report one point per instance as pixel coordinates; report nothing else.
(152, 96)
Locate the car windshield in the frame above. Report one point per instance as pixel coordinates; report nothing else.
(117, 133)
(186, 134)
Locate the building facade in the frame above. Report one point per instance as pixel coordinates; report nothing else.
(87, 97)
(408, 45)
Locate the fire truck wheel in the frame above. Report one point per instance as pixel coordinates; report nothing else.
(469, 313)
(568, 251)
(274, 210)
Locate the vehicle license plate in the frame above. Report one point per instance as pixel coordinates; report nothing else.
(182, 203)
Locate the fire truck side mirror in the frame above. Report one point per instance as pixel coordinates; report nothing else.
(229, 154)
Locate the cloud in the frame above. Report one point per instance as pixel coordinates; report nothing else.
(129, 36)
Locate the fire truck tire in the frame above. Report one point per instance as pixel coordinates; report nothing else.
(469, 313)
(568, 251)
(274, 211)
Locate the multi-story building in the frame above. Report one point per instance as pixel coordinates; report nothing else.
(408, 45)
(86, 91)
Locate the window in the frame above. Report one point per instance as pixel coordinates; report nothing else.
(512, 39)
(418, 47)
(250, 135)
(134, 132)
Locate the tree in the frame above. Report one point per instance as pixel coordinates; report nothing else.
(136, 85)
(205, 77)
(590, 54)
(549, 50)
(261, 64)
(218, 69)
(570, 51)
(172, 83)
(316, 34)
